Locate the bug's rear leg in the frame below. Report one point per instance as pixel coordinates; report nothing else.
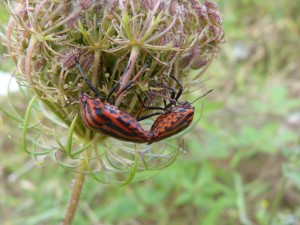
(143, 106)
(129, 84)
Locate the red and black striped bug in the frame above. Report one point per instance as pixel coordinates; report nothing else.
(176, 116)
(107, 119)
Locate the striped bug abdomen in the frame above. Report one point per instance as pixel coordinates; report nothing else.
(107, 119)
(172, 122)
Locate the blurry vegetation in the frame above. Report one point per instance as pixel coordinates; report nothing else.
(6, 63)
(242, 161)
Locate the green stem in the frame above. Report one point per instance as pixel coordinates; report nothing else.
(76, 192)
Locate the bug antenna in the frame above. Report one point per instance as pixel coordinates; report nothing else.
(165, 97)
(128, 85)
(202, 96)
(85, 78)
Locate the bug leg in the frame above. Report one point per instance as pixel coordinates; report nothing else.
(143, 102)
(180, 89)
(171, 99)
(117, 85)
(148, 116)
(172, 91)
(139, 118)
(114, 88)
(86, 80)
(128, 85)
(173, 96)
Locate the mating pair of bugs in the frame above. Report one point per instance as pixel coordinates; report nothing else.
(101, 116)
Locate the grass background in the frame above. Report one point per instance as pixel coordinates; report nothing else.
(243, 159)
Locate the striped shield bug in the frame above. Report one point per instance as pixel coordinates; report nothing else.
(176, 115)
(107, 119)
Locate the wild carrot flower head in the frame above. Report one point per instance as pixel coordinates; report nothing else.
(112, 39)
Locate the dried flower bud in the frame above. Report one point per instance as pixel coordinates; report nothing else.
(67, 57)
(202, 14)
(211, 5)
(112, 6)
(87, 62)
(148, 4)
(72, 23)
(86, 4)
(185, 61)
(198, 63)
(22, 14)
(215, 18)
(39, 63)
(173, 7)
(66, 8)
(162, 6)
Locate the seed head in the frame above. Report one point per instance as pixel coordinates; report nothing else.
(113, 40)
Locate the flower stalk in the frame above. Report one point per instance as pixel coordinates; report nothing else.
(76, 193)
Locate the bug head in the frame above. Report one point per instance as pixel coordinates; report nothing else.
(83, 97)
(185, 105)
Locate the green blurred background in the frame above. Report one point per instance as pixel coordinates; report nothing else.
(242, 162)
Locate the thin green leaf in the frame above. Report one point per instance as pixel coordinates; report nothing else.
(70, 137)
(133, 171)
(82, 149)
(9, 101)
(58, 141)
(64, 165)
(26, 121)
(11, 116)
